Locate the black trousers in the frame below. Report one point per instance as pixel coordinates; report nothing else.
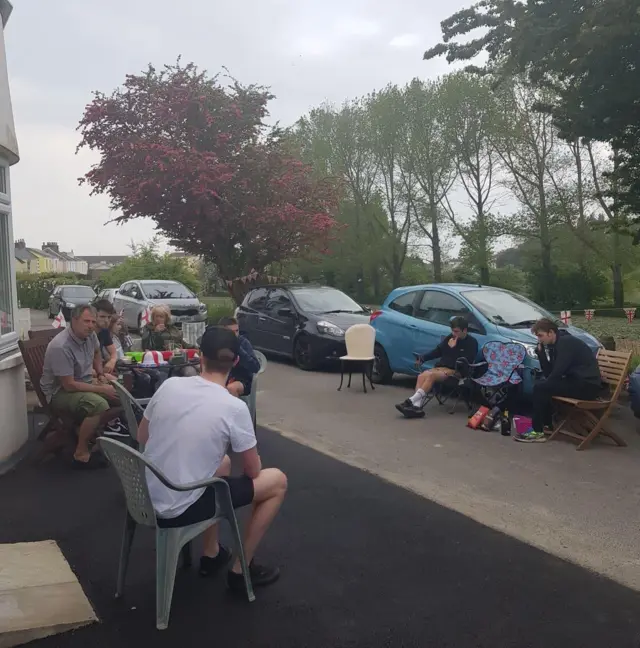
(543, 393)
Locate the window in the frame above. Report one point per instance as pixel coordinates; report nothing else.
(136, 293)
(257, 299)
(322, 299)
(505, 308)
(166, 290)
(6, 280)
(84, 294)
(404, 303)
(126, 290)
(277, 299)
(4, 185)
(439, 307)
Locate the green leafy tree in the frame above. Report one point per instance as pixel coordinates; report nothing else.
(146, 262)
(584, 54)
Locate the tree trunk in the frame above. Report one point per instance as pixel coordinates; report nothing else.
(485, 277)
(483, 261)
(618, 285)
(375, 283)
(435, 242)
(360, 285)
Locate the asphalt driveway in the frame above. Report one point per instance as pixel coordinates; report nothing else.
(365, 564)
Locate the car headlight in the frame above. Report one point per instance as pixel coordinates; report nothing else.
(202, 308)
(327, 328)
(531, 349)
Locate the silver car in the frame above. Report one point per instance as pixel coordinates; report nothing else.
(134, 297)
(109, 294)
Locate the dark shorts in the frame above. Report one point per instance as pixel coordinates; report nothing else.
(204, 508)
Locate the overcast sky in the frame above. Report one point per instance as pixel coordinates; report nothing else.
(307, 51)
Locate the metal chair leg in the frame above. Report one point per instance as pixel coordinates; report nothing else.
(370, 374)
(341, 374)
(364, 384)
(349, 383)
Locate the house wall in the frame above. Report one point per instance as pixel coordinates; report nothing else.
(13, 404)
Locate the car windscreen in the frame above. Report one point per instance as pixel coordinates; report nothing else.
(166, 290)
(505, 308)
(78, 292)
(324, 300)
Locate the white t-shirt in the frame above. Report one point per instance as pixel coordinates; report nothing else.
(192, 422)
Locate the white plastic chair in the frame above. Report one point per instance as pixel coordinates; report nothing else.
(360, 340)
(250, 400)
(129, 405)
(130, 466)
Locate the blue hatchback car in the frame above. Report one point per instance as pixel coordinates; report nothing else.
(417, 318)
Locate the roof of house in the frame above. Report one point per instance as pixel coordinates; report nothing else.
(24, 254)
(112, 260)
(41, 253)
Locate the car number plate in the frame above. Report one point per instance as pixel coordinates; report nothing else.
(184, 318)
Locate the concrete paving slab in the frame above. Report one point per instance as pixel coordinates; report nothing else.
(581, 506)
(39, 593)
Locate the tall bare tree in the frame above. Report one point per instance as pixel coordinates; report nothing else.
(472, 118)
(528, 146)
(430, 158)
(388, 127)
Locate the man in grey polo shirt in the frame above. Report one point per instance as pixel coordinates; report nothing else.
(67, 381)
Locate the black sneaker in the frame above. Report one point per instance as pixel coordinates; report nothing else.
(401, 407)
(211, 566)
(414, 412)
(116, 428)
(260, 577)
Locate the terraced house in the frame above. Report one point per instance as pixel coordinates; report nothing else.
(13, 422)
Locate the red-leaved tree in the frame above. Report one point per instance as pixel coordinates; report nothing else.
(194, 155)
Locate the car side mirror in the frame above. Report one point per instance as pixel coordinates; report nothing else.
(285, 312)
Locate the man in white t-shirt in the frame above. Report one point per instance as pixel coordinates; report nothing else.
(187, 428)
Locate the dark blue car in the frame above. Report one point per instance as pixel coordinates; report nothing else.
(417, 317)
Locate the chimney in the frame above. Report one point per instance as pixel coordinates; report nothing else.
(52, 245)
(20, 244)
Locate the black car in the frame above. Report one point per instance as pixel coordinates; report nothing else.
(65, 298)
(303, 321)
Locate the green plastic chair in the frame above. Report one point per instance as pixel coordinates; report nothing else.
(130, 466)
(250, 400)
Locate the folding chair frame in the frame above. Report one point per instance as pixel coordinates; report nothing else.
(583, 421)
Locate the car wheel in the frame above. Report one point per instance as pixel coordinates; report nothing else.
(140, 324)
(382, 373)
(50, 314)
(302, 353)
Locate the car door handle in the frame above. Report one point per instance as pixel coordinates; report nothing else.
(262, 319)
(413, 326)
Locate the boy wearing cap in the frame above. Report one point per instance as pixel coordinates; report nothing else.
(186, 429)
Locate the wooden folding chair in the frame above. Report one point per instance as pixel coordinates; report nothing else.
(585, 420)
(60, 427)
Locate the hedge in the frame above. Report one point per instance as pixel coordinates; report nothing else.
(34, 290)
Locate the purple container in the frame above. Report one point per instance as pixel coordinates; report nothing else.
(522, 424)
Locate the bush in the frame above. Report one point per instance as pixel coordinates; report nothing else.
(218, 307)
(34, 290)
